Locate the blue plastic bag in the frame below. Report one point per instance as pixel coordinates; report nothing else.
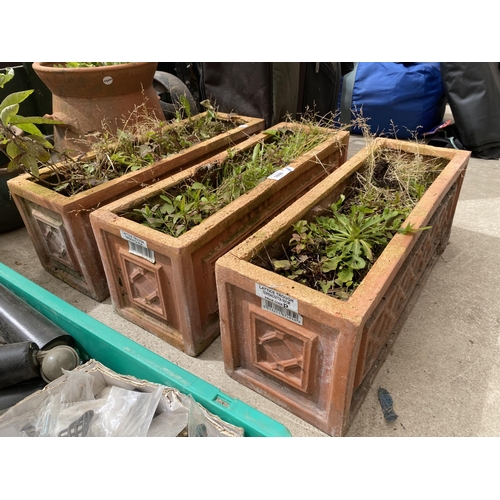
(398, 99)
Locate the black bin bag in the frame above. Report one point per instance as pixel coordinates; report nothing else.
(473, 93)
(272, 91)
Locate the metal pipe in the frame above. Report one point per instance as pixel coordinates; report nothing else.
(18, 363)
(19, 322)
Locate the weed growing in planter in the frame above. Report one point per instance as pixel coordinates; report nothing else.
(136, 146)
(396, 179)
(86, 64)
(142, 141)
(335, 250)
(217, 185)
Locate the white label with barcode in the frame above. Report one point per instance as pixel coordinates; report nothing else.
(281, 299)
(271, 306)
(279, 174)
(138, 247)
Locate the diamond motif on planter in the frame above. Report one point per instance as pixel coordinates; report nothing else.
(52, 231)
(143, 284)
(273, 348)
(281, 352)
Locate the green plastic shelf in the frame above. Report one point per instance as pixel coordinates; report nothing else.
(127, 357)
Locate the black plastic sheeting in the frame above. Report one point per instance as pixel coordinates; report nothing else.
(473, 94)
(271, 91)
(9, 396)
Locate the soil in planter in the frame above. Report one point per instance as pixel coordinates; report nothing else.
(214, 186)
(334, 250)
(133, 148)
(86, 64)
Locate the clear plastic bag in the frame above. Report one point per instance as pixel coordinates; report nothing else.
(92, 400)
(168, 424)
(199, 425)
(74, 411)
(63, 407)
(172, 417)
(126, 413)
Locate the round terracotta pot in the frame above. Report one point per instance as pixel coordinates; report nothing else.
(85, 98)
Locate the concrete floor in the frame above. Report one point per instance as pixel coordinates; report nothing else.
(444, 369)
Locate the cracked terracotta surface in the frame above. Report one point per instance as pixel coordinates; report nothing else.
(59, 225)
(313, 360)
(175, 296)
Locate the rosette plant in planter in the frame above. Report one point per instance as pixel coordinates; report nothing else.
(58, 192)
(308, 302)
(159, 245)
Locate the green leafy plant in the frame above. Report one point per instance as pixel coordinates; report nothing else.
(216, 186)
(335, 249)
(176, 214)
(133, 148)
(143, 140)
(20, 138)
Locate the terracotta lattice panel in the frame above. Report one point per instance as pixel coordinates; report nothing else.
(283, 352)
(53, 236)
(382, 322)
(142, 281)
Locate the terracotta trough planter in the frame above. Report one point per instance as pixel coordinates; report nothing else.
(173, 295)
(59, 225)
(307, 351)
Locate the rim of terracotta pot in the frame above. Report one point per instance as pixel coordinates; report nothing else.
(101, 81)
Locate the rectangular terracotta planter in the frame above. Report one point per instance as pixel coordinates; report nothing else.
(174, 294)
(59, 225)
(306, 350)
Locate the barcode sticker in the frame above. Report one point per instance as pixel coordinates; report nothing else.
(284, 312)
(281, 299)
(138, 247)
(279, 174)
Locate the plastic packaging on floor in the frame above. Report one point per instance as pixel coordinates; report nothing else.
(92, 400)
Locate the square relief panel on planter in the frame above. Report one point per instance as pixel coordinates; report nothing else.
(58, 222)
(313, 346)
(161, 275)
